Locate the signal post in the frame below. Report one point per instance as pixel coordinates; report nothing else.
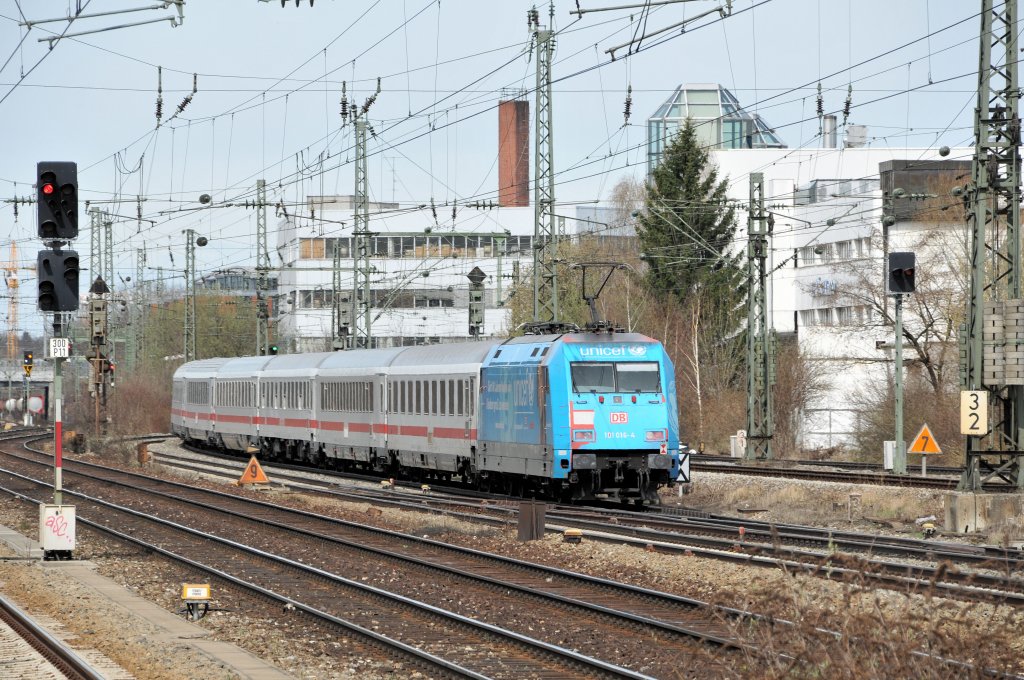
(57, 212)
(27, 363)
(900, 282)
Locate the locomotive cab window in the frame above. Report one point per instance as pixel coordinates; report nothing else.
(641, 376)
(593, 377)
(633, 376)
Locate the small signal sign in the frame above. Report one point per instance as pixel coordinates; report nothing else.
(974, 412)
(925, 442)
(253, 474)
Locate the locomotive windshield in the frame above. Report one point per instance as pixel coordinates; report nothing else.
(633, 376)
(641, 376)
(593, 377)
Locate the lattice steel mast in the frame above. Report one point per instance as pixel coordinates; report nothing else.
(545, 232)
(760, 364)
(992, 201)
(262, 271)
(190, 295)
(361, 293)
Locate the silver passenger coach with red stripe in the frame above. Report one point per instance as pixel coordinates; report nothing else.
(571, 416)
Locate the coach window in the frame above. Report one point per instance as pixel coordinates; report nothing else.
(442, 406)
(451, 397)
(460, 390)
(419, 396)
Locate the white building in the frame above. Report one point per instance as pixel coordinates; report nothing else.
(419, 270)
(827, 206)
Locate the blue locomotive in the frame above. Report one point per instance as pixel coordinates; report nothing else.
(569, 416)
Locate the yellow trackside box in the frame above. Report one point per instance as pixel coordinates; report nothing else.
(195, 591)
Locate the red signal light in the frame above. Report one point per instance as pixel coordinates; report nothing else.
(47, 188)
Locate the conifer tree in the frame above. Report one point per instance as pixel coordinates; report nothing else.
(687, 233)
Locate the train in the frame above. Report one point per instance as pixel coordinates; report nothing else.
(568, 416)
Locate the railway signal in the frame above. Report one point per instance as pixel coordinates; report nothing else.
(57, 200)
(901, 273)
(58, 280)
(899, 282)
(27, 363)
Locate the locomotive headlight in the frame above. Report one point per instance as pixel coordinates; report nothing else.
(583, 435)
(655, 435)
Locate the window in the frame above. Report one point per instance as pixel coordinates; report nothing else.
(807, 255)
(433, 397)
(451, 397)
(443, 401)
(844, 250)
(641, 376)
(461, 392)
(419, 397)
(311, 249)
(593, 377)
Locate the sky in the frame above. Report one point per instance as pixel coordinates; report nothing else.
(269, 80)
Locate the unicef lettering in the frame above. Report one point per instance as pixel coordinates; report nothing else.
(619, 351)
(523, 392)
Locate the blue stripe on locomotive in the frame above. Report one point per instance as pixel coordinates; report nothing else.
(511, 402)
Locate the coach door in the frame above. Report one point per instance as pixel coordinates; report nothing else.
(383, 404)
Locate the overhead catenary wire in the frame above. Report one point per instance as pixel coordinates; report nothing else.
(183, 175)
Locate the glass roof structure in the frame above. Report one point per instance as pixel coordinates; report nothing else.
(720, 121)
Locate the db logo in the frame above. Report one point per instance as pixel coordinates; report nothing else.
(619, 418)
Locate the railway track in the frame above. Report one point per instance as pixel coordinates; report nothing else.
(755, 534)
(947, 470)
(865, 476)
(847, 556)
(618, 612)
(502, 513)
(58, 654)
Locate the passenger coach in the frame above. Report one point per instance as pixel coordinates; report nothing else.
(574, 416)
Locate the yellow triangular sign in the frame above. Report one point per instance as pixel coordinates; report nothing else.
(925, 442)
(253, 474)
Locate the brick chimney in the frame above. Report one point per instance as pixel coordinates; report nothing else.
(514, 153)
